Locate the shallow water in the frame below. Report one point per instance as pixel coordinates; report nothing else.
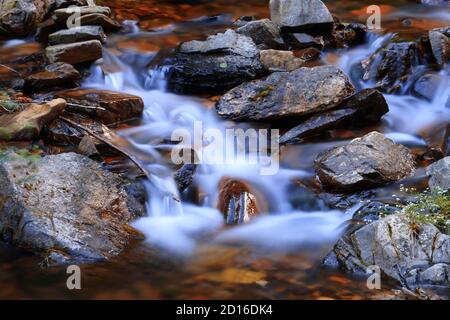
(188, 253)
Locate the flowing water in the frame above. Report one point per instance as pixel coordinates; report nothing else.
(188, 252)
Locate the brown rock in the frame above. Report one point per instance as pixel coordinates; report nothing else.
(237, 202)
(74, 53)
(109, 106)
(19, 18)
(275, 60)
(27, 124)
(54, 75)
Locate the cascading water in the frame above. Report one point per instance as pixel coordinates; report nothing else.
(173, 224)
(407, 115)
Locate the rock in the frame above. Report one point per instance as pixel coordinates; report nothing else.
(439, 173)
(286, 94)
(74, 53)
(77, 34)
(219, 63)
(87, 146)
(373, 211)
(237, 202)
(27, 124)
(60, 133)
(426, 86)
(45, 28)
(389, 66)
(242, 21)
(64, 206)
(19, 61)
(365, 107)
(264, 33)
(54, 75)
(440, 45)
(364, 163)
(275, 60)
(436, 137)
(355, 33)
(183, 177)
(19, 18)
(419, 257)
(61, 15)
(109, 106)
(303, 40)
(59, 4)
(308, 54)
(300, 15)
(99, 20)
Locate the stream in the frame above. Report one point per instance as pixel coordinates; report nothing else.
(188, 253)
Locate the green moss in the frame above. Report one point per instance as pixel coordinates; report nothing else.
(430, 206)
(264, 93)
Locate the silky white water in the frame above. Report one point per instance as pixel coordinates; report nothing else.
(176, 225)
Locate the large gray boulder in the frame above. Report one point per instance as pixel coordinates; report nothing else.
(300, 15)
(364, 163)
(412, 257)
(63, 207)
(219, 63)
(19, 18)
(439, 173)
(286, 94)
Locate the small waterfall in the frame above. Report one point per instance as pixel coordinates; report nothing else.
(173, 224)
(408, 115)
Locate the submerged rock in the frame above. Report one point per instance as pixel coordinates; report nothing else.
(64, 207)
(426, 86)
(276, 60)
(106, 106)
(19, 18)
(439, 173)
(365, 107)
(237, 202)
(27, 124)
(300, 15)
(440, 45)
(54, 75)
(364, 163)
(412, 257)
(74, 53)
(287, 94)
(264, 33)
(184, 176)
(216, 64)
(83, 33)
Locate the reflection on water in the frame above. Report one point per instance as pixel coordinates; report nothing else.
(188, 252)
